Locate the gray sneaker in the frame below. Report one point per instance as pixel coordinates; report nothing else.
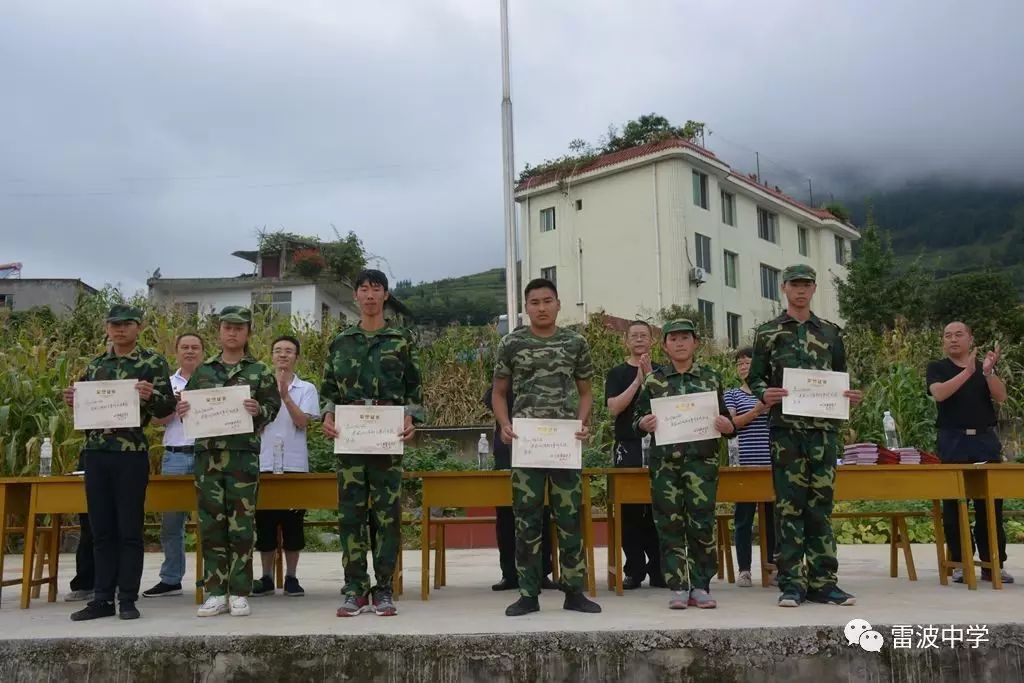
(744, 580)
(702, 599)
(677, 599)
(958, 576)
(78, 596)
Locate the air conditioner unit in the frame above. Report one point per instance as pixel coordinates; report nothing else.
(698, 275)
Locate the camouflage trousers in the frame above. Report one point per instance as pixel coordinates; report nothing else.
(683, 490)
(805, 476)
(369, 483)
(565, 497)
(227, 483)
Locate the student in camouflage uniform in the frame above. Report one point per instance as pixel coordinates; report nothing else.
(804, 449)
(117, 467)
(371, 363)
(544, 366)
(684, 476)
(228, 468)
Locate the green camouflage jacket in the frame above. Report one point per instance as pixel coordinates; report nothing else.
(262, 387)
(381, 365)
(667, 381)
(785, 343)
(141, 364)
(544, 371)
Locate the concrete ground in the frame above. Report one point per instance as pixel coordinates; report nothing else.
(468, 606)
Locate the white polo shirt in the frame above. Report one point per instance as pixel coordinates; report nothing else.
(296, 451)
(174, 431)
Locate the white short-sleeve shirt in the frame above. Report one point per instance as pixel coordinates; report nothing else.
(174, 431)
(296, 451)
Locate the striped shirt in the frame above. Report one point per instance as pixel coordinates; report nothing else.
(755, 444)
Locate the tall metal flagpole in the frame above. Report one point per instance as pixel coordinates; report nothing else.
(508, 167)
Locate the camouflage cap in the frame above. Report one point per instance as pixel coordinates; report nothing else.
(123, 313)
(235, 314)
(800, 271)
(678, 325)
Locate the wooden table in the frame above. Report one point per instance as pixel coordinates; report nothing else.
(991, 482)
(14, 501)
(632, 485)
(55, 496)
(853, 482)
(916, 482)
(491, 488)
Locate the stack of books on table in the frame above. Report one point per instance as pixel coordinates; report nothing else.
(909, 456)
(861, 454)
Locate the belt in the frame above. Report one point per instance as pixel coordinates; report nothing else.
(180, 449)
(370, 402)
(969, 432)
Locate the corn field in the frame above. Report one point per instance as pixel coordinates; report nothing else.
(40, 355)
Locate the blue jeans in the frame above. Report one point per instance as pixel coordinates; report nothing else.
(172, 528)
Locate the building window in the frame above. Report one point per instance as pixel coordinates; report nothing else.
(731, 261)
(188, 308)
(703, 252)
(733, 324)
(700, 189)
(325, 313)
(7, 301)
(579, 204)
(550, 273)
(547, 219)
(728, 208)
(802, 240)
(840, 251)
(767, 225)
(770, 283)
(275, 303)
(707, 311)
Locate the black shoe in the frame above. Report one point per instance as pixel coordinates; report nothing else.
(546, 584)
(523, 605)
(831, 595)
(629, 583)
(292, 588)
(578, 602)
(791, 598)
(94, 610)
(262, 586)
(162, 590)
(127, 610)
(506, 585)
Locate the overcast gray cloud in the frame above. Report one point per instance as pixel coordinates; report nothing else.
(137, 135)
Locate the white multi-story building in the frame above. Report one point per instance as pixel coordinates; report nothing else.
(668, 223)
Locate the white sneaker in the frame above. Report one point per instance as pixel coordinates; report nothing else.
(743, 580)
(214, 605)
(239, 606)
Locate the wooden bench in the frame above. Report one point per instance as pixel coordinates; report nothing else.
(899, 539)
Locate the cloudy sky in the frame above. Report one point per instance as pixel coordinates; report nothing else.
(142, 134)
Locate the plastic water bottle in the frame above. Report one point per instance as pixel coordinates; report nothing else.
(278, 455)
(482, 449)
(889, 427)
(45, 458)
(645, 450)
(734, 452)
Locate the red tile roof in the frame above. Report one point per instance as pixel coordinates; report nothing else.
(622, 155)
(652, 148)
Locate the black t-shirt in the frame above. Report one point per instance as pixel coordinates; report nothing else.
(618, 380)
(971, 406)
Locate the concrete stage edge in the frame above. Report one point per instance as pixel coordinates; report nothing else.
(794, 654)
